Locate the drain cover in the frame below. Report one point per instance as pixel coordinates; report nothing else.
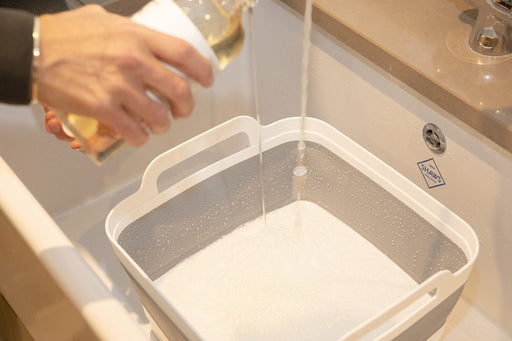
(434, 138)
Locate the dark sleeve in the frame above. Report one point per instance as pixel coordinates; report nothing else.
(125, 7)
(16, 23)
(15, 56)
(16, 41)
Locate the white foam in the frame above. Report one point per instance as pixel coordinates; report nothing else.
(305, 275)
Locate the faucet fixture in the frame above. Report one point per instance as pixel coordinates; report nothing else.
(492, 31)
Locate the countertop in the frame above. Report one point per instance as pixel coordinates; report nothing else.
(426, 47)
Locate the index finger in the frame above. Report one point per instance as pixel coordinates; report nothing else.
(181, 55)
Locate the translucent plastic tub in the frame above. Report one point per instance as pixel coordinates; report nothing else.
(214, 188)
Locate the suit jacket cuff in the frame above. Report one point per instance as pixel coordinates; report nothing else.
(15, 56)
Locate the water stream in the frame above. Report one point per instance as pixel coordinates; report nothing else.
(306, 43)
(257, 108)
(300, 170)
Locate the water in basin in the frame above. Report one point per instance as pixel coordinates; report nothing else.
(303, 275)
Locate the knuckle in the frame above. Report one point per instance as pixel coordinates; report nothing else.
(129, 59)
(138, 140)
(183, 110)
(125, 125)
(159, 114)
(117, 90)
(160, 120)
(184, 51)
(181, 90)
(95, 8)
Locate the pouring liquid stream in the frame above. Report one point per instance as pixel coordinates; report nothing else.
(300, 170)
(257, 110)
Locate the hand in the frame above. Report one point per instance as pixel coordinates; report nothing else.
(99, 64)
(54, 126)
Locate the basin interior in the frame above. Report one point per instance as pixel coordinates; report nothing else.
(216, 206)
(209, 211)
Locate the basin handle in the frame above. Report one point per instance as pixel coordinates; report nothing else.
(199, 143)
(437, 288)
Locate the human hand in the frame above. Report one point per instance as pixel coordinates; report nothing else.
(101, 65)
(54, 126)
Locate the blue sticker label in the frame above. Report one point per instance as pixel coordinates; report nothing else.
(431, 173)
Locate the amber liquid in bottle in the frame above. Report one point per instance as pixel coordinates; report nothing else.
(221, 25)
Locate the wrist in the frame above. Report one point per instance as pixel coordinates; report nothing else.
(36, 53)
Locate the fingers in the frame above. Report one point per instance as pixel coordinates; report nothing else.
(181, 55)
(105, 71)
(152, 112)
(53, 126)
(75, 145)
(165, 86)
(175, 89)
(126, 124)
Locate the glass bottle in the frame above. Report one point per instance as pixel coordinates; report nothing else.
(213, 27)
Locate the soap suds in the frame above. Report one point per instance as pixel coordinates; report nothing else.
(302, 275)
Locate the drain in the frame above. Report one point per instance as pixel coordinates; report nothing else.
(434, 138)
